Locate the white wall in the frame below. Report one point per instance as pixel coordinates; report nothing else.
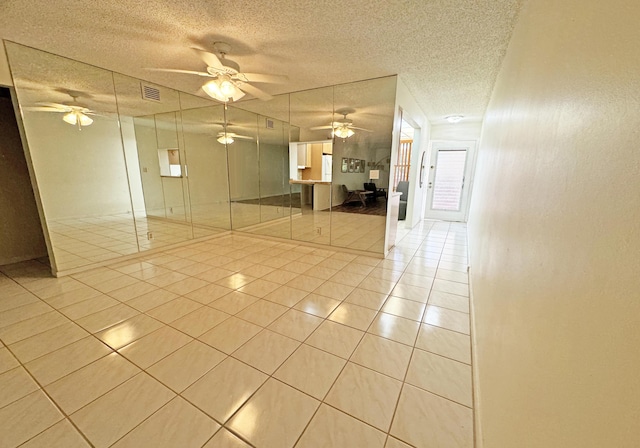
(133, 164)
(243, 170)
(80, 173)
(411, 112)
(272, 174)
(555, 232)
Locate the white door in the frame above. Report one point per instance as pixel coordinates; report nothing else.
(449, 180)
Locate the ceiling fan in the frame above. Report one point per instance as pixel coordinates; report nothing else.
(344, 127)
(74, 113)
(225, 136)
(228, 83)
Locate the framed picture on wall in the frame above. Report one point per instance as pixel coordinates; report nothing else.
(352, 165)
(362, 164)
(356, 166)
(345, 165)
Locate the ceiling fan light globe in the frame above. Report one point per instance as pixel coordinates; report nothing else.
(225, 139)
(227, 88)
(212, 89)
(84, 119)
(70, 118)
(343, 132)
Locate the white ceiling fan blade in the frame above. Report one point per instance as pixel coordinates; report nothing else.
(258, 77)
(186, 72)
(264, 96)
(54, 105)
(209, 58)
(360, 129)
(241, 137)
(43, 109)
(320, 128)
(238, 93)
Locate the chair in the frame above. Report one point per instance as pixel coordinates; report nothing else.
(355, 195)
(349, 195)
(376, 192)
(403, 187)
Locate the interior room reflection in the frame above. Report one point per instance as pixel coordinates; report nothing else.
(79, 163)
(124, 166)
(361, 161)
(266, 210)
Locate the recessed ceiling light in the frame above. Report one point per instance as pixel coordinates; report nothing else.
(454, 118)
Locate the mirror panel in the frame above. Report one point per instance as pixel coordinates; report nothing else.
(119, 172)
(272, 118)
(206, 170)
(310, 194)
(70, 119)
(274, 186)
(358, 217)
(244, 170)
(151, 131)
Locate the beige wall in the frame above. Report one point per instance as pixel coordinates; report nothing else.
(21, 236)
(555, 232)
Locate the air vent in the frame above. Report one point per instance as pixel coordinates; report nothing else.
(269, 124)
(150, 93)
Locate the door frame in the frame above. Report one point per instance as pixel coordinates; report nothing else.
(469, 174)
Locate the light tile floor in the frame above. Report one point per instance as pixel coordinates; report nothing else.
(237, 342)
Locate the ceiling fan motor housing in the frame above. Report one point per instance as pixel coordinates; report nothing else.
(231, 68)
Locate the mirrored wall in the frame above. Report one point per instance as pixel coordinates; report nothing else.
(123, 165)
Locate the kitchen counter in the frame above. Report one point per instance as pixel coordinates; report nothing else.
(316, 193)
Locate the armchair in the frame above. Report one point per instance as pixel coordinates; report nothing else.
(403, 187)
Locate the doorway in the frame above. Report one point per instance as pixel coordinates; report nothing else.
(451, 170)
(22, 236)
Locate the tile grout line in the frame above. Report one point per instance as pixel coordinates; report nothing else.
(365, 332)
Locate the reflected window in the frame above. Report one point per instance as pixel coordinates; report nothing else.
(169, 160)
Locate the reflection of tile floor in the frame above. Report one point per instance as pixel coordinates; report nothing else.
(350, 230)
(240, 342)
(79, 242)
(83, 241)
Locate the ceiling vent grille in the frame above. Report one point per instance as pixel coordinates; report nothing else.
(150, 93)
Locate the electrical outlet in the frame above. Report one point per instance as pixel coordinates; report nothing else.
(149, 235)
(319, 230)
(171, 210)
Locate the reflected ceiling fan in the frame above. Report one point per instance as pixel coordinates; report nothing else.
(228, 83)
(227, 137)
(344, 127)
(74, 113)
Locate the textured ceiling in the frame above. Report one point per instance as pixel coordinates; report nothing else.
(447, 52)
